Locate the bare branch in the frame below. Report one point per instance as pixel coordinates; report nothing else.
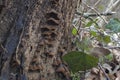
(103, 71)
(94, 14)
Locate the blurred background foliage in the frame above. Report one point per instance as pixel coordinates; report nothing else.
(96, 27)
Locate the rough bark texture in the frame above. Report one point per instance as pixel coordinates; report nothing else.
(34, 34)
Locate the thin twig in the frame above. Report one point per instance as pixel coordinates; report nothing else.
(112, 5)
(96, 12)
(103, 71)
(95, 5)
(21, 35)
(4, 48)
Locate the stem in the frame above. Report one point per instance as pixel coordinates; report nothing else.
(103, 71)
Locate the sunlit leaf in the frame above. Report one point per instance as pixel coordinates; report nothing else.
(74, 31)
(79, 61)
(93, 33)
(106, 39)
(89, 23)
(114, 25)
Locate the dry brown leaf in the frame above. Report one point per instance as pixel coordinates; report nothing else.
(100, 51)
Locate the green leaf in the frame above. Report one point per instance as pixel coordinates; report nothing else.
(74, 31)
(79, 61)
(109, 57)
(114, 25)
(99, 37)
(93, 33)
(106, 39)
(89, 23)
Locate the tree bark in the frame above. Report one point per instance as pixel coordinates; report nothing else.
(34, 34)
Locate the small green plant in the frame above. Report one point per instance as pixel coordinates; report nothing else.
(114, 25)
(75, 76)
(80, 61)
(74, 31)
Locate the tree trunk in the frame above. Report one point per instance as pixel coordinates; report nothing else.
(33, 36)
